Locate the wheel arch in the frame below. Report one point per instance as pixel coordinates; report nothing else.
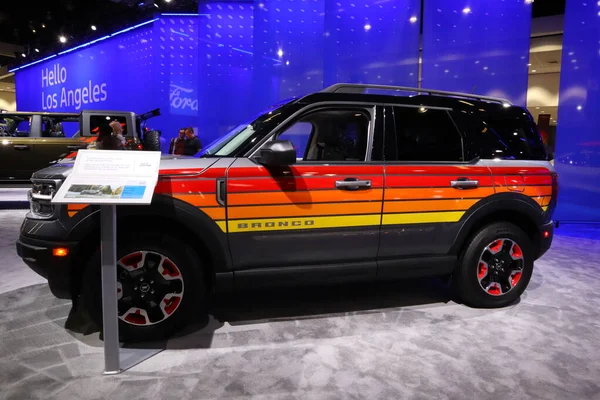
(515, 208)
(165, 213)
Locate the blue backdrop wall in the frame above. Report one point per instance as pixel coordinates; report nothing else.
(477, 47)
(577, 157)
(110, 74)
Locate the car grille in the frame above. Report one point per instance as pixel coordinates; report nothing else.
(40, 197)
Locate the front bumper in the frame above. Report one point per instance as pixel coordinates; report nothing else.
(38, 255)
(546, 236)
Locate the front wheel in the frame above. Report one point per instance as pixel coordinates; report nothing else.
(496, 266)
(159, 286)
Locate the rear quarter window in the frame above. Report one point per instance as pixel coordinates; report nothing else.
(507, 134)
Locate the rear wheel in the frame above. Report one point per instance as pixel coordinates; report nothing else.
(496, 266)
(159, 287)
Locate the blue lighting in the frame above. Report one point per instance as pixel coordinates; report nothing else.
(179, 33)
(182, 15)
(85, 44)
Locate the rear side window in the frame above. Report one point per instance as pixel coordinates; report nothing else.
(507, 135)
(423, 134)
(97, 120)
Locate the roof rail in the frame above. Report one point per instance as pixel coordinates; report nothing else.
(339, 87)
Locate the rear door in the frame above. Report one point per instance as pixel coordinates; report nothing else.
(429, 183)
(324, 210)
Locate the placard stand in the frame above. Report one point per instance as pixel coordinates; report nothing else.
(110, 316)
(110, 178)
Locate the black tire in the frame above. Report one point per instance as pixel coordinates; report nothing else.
(152, 141)
(151, 244)
(467, 277)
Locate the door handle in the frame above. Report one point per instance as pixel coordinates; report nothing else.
(352, 184)
(464, 183)
(21, 147)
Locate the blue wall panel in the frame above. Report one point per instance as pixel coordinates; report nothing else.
(577, 157)
(477, 47)
(372, 42)
(225, 64)
(288, 49)
(111, 74)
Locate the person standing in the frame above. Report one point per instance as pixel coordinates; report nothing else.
(178, 143)
(192, 142)
(118, 132)
(106, 140)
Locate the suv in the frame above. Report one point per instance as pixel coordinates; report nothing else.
(33, 140)
(340, 185)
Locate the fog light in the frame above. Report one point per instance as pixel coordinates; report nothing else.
(546, 234)
(60, 252)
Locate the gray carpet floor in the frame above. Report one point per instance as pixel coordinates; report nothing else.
(391, 341)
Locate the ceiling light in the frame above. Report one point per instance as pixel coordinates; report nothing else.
(156, 5)
(43, 25)
(23, 55)
(367, 27)
(280, 53)
(579, 108)
(413, 19)
(37, 50)
(167, 1)
(529, 65)
(33, 30)
(534, 70)
(62, 39)
(466, 10)
(287, 63)
(93, 27)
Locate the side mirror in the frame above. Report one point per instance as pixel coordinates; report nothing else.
(278, 153)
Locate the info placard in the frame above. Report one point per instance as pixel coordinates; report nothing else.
(111, 177)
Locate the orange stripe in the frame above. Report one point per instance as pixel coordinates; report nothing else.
(215, 213)
(302, 210)
(436, 193)
(539, 200)
(428, 205)
(315, 196)
(198, 200)
(546, 200)
(76, 206)
(72, 213)
(528, 190)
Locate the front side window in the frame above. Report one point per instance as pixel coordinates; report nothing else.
(66, 127)
(423, 135)
(330, 135)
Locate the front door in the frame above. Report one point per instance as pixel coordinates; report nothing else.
(324, 210)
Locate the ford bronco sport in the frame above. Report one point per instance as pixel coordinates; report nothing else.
(340, 185)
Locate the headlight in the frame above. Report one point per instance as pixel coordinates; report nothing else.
(40, 196)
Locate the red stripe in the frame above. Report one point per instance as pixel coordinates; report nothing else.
(291, 184)
(190, 186)
(538, 179)
(430, 181)
(459, 170)
(208, 172)
(307, 170)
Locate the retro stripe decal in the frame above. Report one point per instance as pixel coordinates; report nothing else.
(280, 224)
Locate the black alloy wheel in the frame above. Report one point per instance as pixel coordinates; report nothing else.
(160, 286)
(495, 267)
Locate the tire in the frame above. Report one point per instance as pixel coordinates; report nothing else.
(152, 266)
(152, 141)
(492, 272)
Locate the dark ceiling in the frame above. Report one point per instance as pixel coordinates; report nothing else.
(37, 25)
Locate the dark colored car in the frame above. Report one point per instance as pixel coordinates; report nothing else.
(340, 185)
(30, 141)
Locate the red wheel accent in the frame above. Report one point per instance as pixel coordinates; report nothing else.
(136, 318)
(516, 252)
(169, 269)
(483, 270)
(133, 259)
(495, 290)
(515, 279)
(171, 304)
(496, 246)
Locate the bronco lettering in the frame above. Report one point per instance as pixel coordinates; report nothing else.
(273, 224)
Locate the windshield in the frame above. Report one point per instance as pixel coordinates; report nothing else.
(244, 136)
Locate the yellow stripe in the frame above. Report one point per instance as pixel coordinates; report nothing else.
(545, 208)
(281, 224)
(421, 218)
(222, 225)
